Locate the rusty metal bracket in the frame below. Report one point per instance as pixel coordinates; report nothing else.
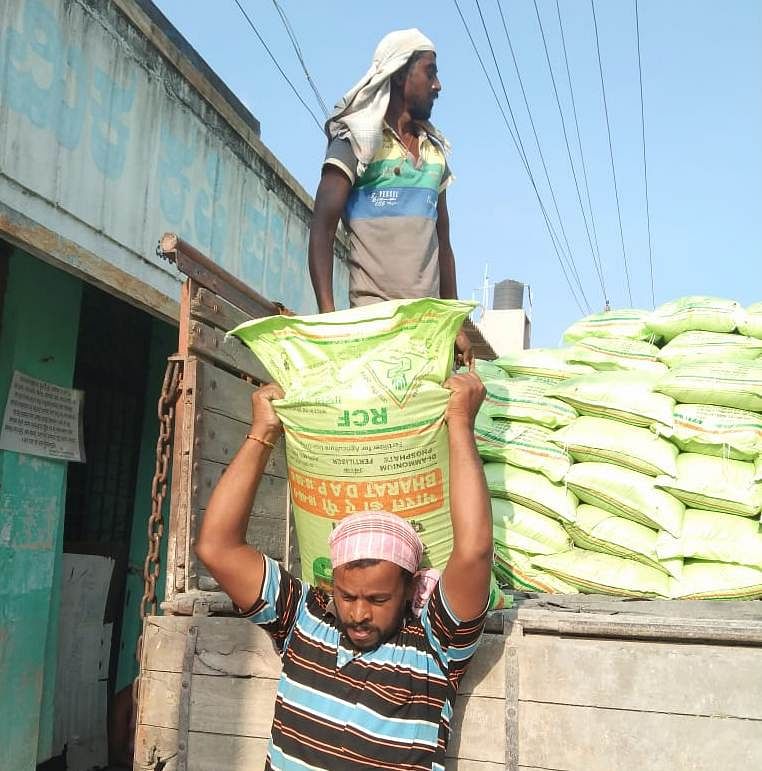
(184, 705)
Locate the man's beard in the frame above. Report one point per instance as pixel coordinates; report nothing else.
(376, 637)
(421, 111)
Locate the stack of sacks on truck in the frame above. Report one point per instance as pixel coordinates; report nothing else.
(713, 348)
(653, 478)
(524, 468)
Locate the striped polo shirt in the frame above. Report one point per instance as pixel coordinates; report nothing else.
(391, 215)
(339, 709)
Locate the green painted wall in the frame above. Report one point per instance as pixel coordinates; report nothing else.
(163, 344)
(38, 337)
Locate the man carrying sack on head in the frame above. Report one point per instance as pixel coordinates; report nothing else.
(369, 675)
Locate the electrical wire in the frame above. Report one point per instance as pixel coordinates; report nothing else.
(300, 56)
(568, 152)
(548, 224)
(581, 151)
(275, 62)
(611, 154)
(569, 257)
(645, 162)
(534, 130)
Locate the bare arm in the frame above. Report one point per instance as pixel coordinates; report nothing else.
(330, 200)
(221, 545)
(467, 575)
(448, 284)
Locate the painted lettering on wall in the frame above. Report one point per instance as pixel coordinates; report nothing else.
(106, 112)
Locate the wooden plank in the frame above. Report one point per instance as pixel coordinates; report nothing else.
(486, 673)
(219, 391)
(271, 499)
(648, 627)
(511, 706)
(225, 647)
(669, 610)
(207, 306)
(267, 533)
(229, 705)
(206, 751)
(477, 730)
(559, 736)
(230, 353)
(218, 438)
(639, 675)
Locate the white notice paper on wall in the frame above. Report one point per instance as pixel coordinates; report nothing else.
(43, 419)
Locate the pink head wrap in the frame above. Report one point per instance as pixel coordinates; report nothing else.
(383, 536)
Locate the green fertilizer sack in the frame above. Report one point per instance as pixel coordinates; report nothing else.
(710, 535)
(723, 384)
(696, 312)
(616, 354)
(690, 347)
(721, 431)
(719, 484)
(629, 323)
(598, 530)
(750, 322)
(703, 580)
(522, 528)
(547, 363)
(608, 441)
(532, 489)
(363, 415)
(596, 573)
(514, 570)
(525, 400)
(624, 396)
(521, 444)
(626, 493)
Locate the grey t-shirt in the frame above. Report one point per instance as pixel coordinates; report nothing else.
(391, 215)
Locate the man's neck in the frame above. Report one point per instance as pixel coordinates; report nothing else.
(398, 117)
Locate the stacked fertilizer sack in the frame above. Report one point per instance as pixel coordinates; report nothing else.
(629, 462)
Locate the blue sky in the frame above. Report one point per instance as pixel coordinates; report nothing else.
(702, 82)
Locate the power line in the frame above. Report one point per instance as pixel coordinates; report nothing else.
(548, 225)
(534, 131)
(569, 257)
(275, 62)
(568, 151)
(645, 163)
(579, 142)
(611, 153)
(298, 51)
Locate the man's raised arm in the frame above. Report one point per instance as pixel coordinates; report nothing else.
(466, 578)
(221, 545)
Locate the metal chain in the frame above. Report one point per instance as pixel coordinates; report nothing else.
(170, 391)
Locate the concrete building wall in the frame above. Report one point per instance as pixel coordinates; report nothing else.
(105, 144)
(505, 330)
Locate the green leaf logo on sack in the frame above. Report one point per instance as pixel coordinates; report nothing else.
(398, 378)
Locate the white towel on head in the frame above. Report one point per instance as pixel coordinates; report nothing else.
(359, 114)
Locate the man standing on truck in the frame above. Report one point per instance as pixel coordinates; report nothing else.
(386, 175)
(366, 682)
